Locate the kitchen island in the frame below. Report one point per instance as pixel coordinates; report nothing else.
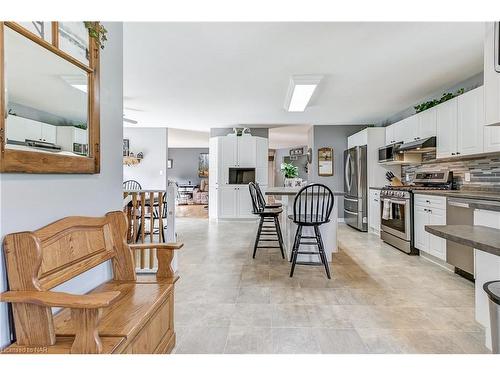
(486, 243)
(286, 195)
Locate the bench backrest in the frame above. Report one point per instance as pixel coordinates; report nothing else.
(60, 251)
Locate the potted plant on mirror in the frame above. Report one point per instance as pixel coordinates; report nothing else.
(290, 173)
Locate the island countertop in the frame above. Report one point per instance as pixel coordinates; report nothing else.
(477, 236)
(281, 190)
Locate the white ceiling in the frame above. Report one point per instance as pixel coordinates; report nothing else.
(202, 75)
(288, 136)
(187, 138)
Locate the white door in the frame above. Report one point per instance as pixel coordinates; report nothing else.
(247, 151)
(229, 151)
(245, 206)
(389, 134)
(437, 245)
(426, 123)
(407, 130)
(49, 133)
(227, 201)
(446, 125)
(421, 217)
(471, 122)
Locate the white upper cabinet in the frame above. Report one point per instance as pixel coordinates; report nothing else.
(358, 139)
(262, 148)
(427, 123)
(460, 125)
(491, 78)
(470, 122)
(446, 119)
(246, 151)
(229, 151)
(21, 129)
(389, 134)
(48, 133)
(406, 130)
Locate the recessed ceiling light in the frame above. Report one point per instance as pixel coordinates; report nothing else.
(300, 91)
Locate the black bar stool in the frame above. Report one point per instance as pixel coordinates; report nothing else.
(263, 200)
(312, 207)
(267, 215)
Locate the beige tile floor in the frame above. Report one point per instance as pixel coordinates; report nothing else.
(379, 300)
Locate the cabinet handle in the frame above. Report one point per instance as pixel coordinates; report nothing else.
(427, 201)
(458, 153)
(453, 153)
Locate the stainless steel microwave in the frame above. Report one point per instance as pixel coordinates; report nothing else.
(389, 153)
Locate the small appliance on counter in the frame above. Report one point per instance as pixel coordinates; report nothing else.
(396, 208)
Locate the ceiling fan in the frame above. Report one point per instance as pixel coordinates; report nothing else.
(129, 120)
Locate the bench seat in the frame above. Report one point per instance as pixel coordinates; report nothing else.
(142, 315)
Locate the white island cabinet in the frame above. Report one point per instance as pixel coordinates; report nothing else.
(486, 268)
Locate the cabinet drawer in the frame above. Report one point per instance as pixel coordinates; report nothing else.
(430, 201)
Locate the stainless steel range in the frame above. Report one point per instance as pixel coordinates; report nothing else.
(396, 208)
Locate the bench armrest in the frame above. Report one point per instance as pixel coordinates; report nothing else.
(164, 254)
(157, 246)
(60, 299)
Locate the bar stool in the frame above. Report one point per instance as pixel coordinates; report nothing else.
(312, 207)
(263, 200)
(267, 215)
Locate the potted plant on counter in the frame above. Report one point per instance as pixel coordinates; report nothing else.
(291, 173)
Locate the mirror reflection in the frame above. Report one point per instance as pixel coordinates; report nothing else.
(35, 121)
(74, 40)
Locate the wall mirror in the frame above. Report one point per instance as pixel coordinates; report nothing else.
(50, 98)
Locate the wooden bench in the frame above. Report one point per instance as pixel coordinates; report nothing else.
(128, 314)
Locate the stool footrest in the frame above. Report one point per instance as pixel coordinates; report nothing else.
(310, 263)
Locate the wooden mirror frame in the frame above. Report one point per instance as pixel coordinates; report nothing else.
(19, 161)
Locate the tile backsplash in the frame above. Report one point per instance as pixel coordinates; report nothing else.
(484, 172)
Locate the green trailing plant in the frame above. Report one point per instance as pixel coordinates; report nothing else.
(432, 103)
(97, 31)
(289, 170)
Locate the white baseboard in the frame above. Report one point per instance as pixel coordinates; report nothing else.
(341, 220)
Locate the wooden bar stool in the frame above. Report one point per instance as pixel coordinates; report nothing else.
(267, 215)
(312, 207)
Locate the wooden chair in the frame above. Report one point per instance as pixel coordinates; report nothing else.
(131, 185)
(128, 314)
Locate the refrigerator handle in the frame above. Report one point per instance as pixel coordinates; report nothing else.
(348, 172)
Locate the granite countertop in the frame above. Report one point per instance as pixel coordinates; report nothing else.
(476, 236)
(485, 195)
(281, 190)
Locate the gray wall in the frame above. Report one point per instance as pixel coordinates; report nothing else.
(46, 198)
(257, 132)
(334, 136)
(185, 164)
(468, 84)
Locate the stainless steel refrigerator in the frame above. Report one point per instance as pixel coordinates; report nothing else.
(355, 189)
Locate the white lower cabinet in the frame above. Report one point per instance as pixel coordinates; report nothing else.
(234, 202)
(429, 210)
(374, 211)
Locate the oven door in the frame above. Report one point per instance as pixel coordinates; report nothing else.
(398, 224)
